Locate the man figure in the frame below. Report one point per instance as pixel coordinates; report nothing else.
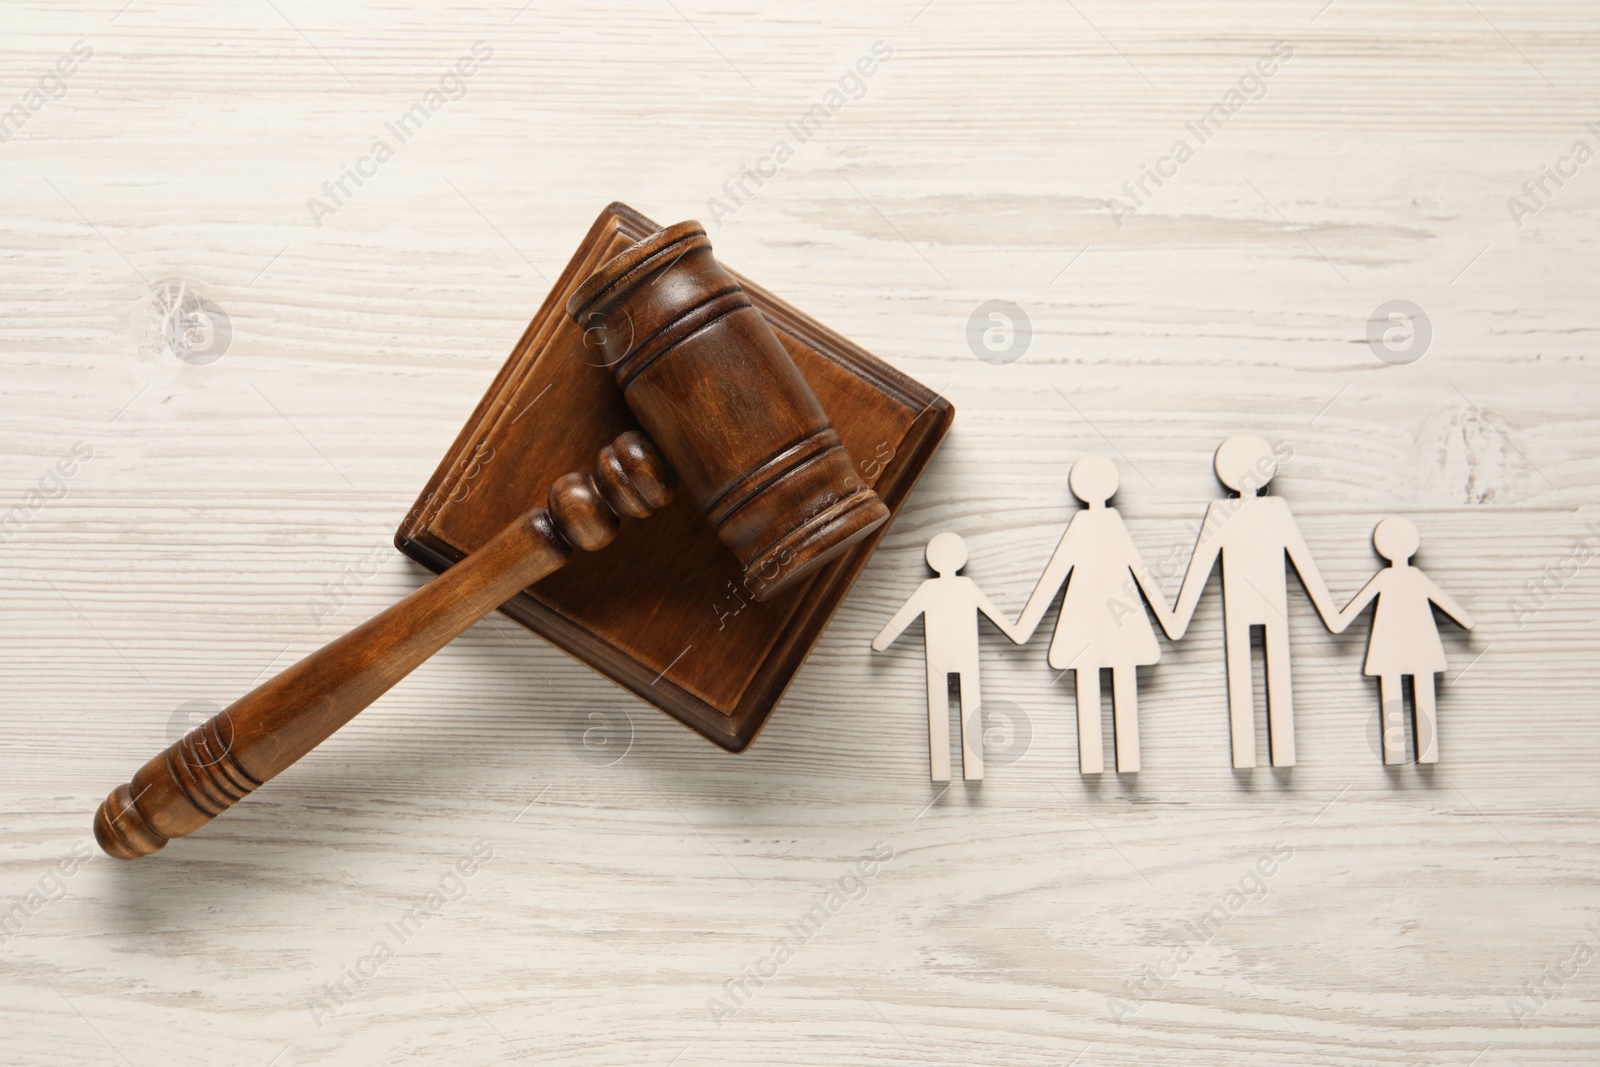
(949, 605)
(1252, 533)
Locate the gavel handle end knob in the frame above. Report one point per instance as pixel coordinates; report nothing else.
(122, 830)
(196, 779)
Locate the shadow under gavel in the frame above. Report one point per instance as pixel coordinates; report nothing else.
(741, 432)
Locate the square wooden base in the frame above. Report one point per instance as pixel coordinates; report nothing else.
(661, 611)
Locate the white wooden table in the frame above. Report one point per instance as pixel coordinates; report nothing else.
(236, 513)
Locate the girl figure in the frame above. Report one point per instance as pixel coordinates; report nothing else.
(1405, 638)
(1102, 622)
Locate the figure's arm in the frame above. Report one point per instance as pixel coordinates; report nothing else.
(1306, 568)
(1049, 584)
(1449, 606)
(902, 618)
(1194, 578)
(1157, 602)
(1357, 605)
(1000, 620)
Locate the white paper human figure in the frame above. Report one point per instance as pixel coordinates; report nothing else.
(1251, 534)
(949, 606)
(1404, 639)
(1102, 622)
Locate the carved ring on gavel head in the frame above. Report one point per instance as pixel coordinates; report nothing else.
(715, 392)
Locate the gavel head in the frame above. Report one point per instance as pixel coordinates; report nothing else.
(716, 391)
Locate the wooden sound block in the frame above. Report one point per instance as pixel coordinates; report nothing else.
(663, 611)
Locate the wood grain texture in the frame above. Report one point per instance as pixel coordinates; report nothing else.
(236, 514)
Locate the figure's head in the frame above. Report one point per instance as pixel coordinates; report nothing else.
(1093, 480)
(1245, 463)
(947, 553)
(1396, 539)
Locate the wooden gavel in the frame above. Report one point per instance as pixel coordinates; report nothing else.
(741, 431)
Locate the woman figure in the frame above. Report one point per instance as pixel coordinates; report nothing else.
(1405, 638)
(1102, 624)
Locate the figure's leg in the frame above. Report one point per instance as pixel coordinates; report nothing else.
(1427, 718)
(1091, 760)
(1280, 697)
(971, 726)
(1392, 718)
(1125, 717)
(1241, 695)
(938, 725)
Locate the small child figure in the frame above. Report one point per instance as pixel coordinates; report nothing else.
(949, 605)
(1405, 638)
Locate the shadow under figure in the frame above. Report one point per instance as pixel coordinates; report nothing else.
(1404, 639)
(1102, 624)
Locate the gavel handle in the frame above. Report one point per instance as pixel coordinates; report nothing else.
(258, 736)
